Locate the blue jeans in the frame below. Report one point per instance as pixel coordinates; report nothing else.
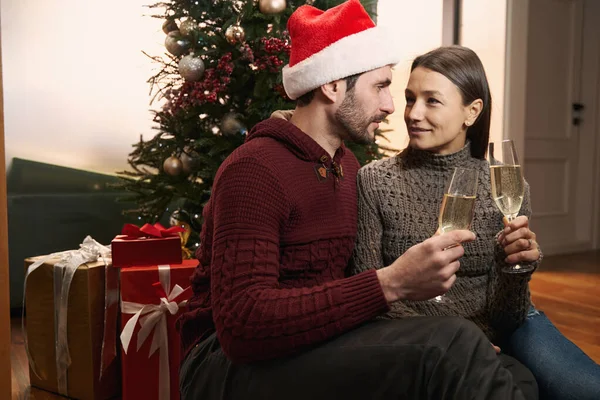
(562, 370)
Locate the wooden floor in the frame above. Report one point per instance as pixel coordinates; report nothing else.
(566, 288)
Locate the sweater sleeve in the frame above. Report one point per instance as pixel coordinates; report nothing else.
(255, 318)
(509, 297)
(367, 250)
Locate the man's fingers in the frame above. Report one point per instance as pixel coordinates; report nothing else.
(453, 253)
(455, 237)
(449, 270)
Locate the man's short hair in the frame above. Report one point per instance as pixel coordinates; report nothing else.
(306, 98)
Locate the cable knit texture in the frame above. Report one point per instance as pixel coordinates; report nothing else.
(275, 246)
(399, 204)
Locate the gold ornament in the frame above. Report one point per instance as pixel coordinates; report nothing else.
(235, 34)
(169, 26)
(184, 236)
(173, 166)
(176, 44)
(230, 125)
(188, 27)
(191, 68)
(271, 7)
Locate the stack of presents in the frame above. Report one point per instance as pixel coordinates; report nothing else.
(100, 321)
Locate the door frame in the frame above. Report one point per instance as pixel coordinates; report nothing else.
(5, 365)
(593, 35)
(517, 26)
(515, 93)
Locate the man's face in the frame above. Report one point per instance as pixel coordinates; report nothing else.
(365, 105)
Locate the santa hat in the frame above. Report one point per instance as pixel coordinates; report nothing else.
(331, 45)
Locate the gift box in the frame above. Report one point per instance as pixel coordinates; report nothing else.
(148, 245)
(152, 297)
(69, 324)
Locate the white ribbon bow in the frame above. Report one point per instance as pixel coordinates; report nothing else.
(64, 270)
(153, 317)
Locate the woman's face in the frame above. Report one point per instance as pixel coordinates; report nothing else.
(435, 116)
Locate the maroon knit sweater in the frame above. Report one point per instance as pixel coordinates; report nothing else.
(275, 244)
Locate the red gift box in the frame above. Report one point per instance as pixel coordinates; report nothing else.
(148, 245)
(152, 297)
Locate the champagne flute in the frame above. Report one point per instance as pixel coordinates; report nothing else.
(458, 205)
(508, 188)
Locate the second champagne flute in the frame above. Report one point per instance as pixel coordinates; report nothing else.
(508, 188)
(458, 204)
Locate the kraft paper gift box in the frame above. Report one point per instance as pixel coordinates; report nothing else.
(84, 328)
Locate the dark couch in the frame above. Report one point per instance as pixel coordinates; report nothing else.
(53, 208)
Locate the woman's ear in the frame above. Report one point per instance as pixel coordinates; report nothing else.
(472, 111)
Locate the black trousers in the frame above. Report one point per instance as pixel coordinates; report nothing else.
(413, 358)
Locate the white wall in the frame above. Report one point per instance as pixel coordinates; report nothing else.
(75, 91)
(484, 31)
(418, 29)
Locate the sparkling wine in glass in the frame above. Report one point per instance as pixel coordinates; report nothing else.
(508, 188)
(458, 205)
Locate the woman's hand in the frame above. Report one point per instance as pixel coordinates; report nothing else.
(518, 241)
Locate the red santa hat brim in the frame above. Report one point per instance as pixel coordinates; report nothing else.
(354, 54)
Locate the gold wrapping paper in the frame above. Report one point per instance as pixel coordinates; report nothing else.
(85, 322)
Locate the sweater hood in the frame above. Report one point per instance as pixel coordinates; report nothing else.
(299, 143)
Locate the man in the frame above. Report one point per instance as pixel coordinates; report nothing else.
(273, 315)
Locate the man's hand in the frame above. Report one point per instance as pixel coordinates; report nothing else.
(518, 241)
(425, 270)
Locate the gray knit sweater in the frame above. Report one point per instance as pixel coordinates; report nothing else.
(399, 203)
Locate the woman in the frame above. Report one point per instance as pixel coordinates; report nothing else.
(448, 110)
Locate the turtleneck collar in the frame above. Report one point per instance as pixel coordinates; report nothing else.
(418, 157)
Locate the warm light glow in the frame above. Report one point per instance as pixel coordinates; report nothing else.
(417, 28)
(484, 31)
(75, 91)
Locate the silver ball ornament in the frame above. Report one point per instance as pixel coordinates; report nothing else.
(191, 68)
(271, 7)
(176, 44)
(173, 166)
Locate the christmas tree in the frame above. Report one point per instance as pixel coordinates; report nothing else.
(220, 76)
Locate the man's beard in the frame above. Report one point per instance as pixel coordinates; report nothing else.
(354, 121)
